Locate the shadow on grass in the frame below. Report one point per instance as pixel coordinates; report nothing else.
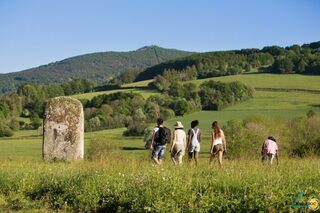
(315, 105)
(132, 148)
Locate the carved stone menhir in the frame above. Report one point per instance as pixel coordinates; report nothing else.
(63, 130)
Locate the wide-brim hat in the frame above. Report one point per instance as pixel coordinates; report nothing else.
(178, 124)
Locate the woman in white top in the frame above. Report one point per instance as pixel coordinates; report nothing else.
(179, 143)
(218, 144)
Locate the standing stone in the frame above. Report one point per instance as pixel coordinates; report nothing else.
(63, 130)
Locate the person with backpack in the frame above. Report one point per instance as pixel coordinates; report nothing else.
(194, 141)
(218, 144)
(160, 138)
(179, 143)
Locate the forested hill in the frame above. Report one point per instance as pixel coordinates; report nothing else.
(292, 59)
(96, 67)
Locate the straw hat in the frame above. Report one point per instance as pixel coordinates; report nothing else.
(178, 125)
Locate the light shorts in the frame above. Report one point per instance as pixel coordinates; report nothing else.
(158, 151)
(194, 147)
(178, 150)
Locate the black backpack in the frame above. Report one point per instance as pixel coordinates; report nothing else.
(163, 135)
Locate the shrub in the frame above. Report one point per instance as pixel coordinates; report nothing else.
(147, 137)
(5, 131)
(100, 149)
(135, 129)
(166, 113)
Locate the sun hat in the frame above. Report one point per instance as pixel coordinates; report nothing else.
(178, 124)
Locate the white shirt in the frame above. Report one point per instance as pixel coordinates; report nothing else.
(180, 136)
(217, 141)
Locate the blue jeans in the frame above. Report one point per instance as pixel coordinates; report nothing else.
(158, 151)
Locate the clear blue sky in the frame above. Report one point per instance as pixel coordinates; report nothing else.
(37, 32)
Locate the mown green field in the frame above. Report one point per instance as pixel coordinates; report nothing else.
(138, 84)
(144, 92)
(123, 178)
(260, 80)
(278, 81)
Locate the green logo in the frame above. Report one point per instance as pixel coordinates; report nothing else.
(312, 204)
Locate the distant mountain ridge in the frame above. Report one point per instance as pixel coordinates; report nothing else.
(94, 66)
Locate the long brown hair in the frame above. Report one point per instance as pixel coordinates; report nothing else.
(216, 129)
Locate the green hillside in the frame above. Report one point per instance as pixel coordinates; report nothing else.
(285, 96)
(274, 81)
(95, 66)
(293, 59)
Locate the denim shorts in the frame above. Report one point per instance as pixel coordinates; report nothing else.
(194, 147)
(158, 151)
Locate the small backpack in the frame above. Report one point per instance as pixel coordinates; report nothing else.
(163, 135)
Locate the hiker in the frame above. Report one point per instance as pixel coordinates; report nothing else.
(270, 150)
(194, 141)
(179, 143)
(218, 144)
(160, 137)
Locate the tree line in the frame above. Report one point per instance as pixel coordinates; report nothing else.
(304, 59)
(29, 101)
(131, 110)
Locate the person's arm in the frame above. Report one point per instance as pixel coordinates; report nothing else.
(189, 138)
(277, 155)
(185, 140)
(224, 141)
(152, 140)
(199, 136)
(262, 149)
(212, 141)
(189, 141)
(173, 141)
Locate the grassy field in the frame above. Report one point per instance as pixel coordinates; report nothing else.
(144, 92)
(261, 80)
(278, 81)
(138, 84)
(123, 179)
(122, 183)
(269, 103)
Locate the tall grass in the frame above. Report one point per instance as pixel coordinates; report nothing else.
(127, 184)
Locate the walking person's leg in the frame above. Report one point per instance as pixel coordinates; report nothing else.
(220, 154)
(196, 157)
(211, 158)
(190, 154)
(174, 154)
(155, 155)
(161, 153)
(179, 159)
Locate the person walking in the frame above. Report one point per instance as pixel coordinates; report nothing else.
(218, 143)
(194, 141)
(270, 150)
(179, 143)
(160, 138)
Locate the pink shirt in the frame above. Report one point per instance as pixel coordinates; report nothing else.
(271, 147)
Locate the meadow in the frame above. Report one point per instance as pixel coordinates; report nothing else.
(120, 182)
(267, 80)
(144, 92)
(118, 176)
